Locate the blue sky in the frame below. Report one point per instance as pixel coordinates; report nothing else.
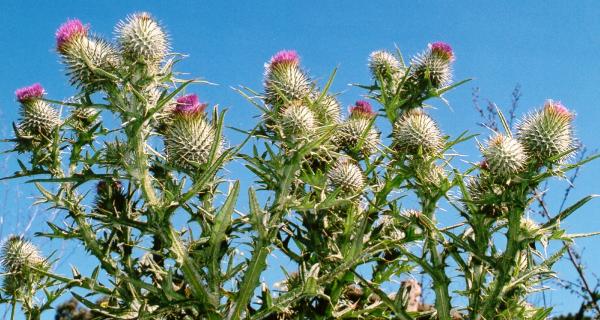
(550, 48)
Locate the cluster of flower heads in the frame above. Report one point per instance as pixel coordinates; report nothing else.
(90, 59)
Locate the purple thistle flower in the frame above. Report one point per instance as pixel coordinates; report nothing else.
(34, 91)
(558, 108)
(189, 105)
(284, 57)
(442, 49)
(362, 108)
(68, 31)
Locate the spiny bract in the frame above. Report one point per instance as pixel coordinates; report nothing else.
(346, 176)
(38, 117)
(141, 37)
(83, 55)
(384, 65)
(188, 140)
(297, 121)
(547, 133)
(505, 157)
(415, 131)
(434, 65)
(18, 254)
(285, 81)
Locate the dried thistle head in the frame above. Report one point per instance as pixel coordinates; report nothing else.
(547, 133)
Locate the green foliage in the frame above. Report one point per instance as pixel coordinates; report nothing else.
(333, 196)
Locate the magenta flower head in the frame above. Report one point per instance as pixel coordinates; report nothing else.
(284, 57)
(556, 107)
(189, 105)
(34, 91)
(442, 49)
(362, 108)
(71, 29)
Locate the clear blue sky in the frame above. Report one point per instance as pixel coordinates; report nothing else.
(551, 48)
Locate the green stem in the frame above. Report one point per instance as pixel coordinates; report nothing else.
(506, 266)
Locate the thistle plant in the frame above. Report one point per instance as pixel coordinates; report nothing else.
(149, 199)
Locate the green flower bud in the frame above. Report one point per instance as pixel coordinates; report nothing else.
(384, 65)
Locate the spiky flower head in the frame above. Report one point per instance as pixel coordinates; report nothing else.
(38, 117)
(17, 254)
(415, 132)
(504, 156)
(68, 32)
(362, 109)
(346, 176)
(189, 137)
(30, 93)
(358, 132)
(384, 65)
(141, 37)
(434, 66)
(298, 121)
(327, 108)
(547, 133)
(285, 81)
(82, 55)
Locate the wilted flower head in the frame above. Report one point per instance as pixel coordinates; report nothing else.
(362, 108)
(34, 91)
(547, 133)
(68, 31)
(189, 105)
(415, 131)
(289, 57)
(504, 156)
(142, 38)
(442, 50)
